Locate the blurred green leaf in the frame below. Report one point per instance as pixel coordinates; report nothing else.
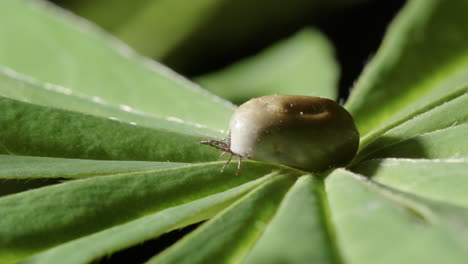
(301, 65)
(186, 35)
(75, 209)
(158, 27)
(445, 180)
(74, 54)
(375, 224)
(108, 14)
(422, 57)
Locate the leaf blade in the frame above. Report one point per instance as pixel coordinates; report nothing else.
(443, 180)
(407, 71)
(232, 243)
(29, 167)
(113, 200)
(440, 144)
(24, 88)
(298, 232)
(71, 47)
(394, 225)
(444, 113)
(42, 131)
(96, 245)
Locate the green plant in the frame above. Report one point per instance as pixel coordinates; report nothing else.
(76, 104)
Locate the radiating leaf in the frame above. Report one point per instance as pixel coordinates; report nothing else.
(74, 54)
(414, 64)
(34, 130)
(445, 180)
(299, 232)
(68, 90)
(25, 167)
(375, 224)
(300, 65)
(445, 143)
(99, 244)
(228, 237)
(443, 113)
(74, 209)
(23, 88)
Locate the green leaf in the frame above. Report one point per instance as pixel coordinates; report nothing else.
(108, 14)
(444, 180)
(83, 58)
(95, 101)
(301, 65)
(74, 209)
(23, 88)
(154, 30)
(448, 111)
(35, 130)
(441, 144)
(375, 224)
(202, 29)
(414, 65)
(93, 246)
(235, 230)
(298, 233)
(24, 167)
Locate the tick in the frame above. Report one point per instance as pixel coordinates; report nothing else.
(305, 132)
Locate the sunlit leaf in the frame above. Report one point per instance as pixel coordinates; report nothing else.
(74, 54)
(23, 88)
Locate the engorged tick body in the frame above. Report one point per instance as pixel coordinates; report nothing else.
(305, 132)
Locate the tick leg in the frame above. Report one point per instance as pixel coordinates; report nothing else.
(225, 165)
(216, 144)
(222, 154)
(225, 140)
(239, 163)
